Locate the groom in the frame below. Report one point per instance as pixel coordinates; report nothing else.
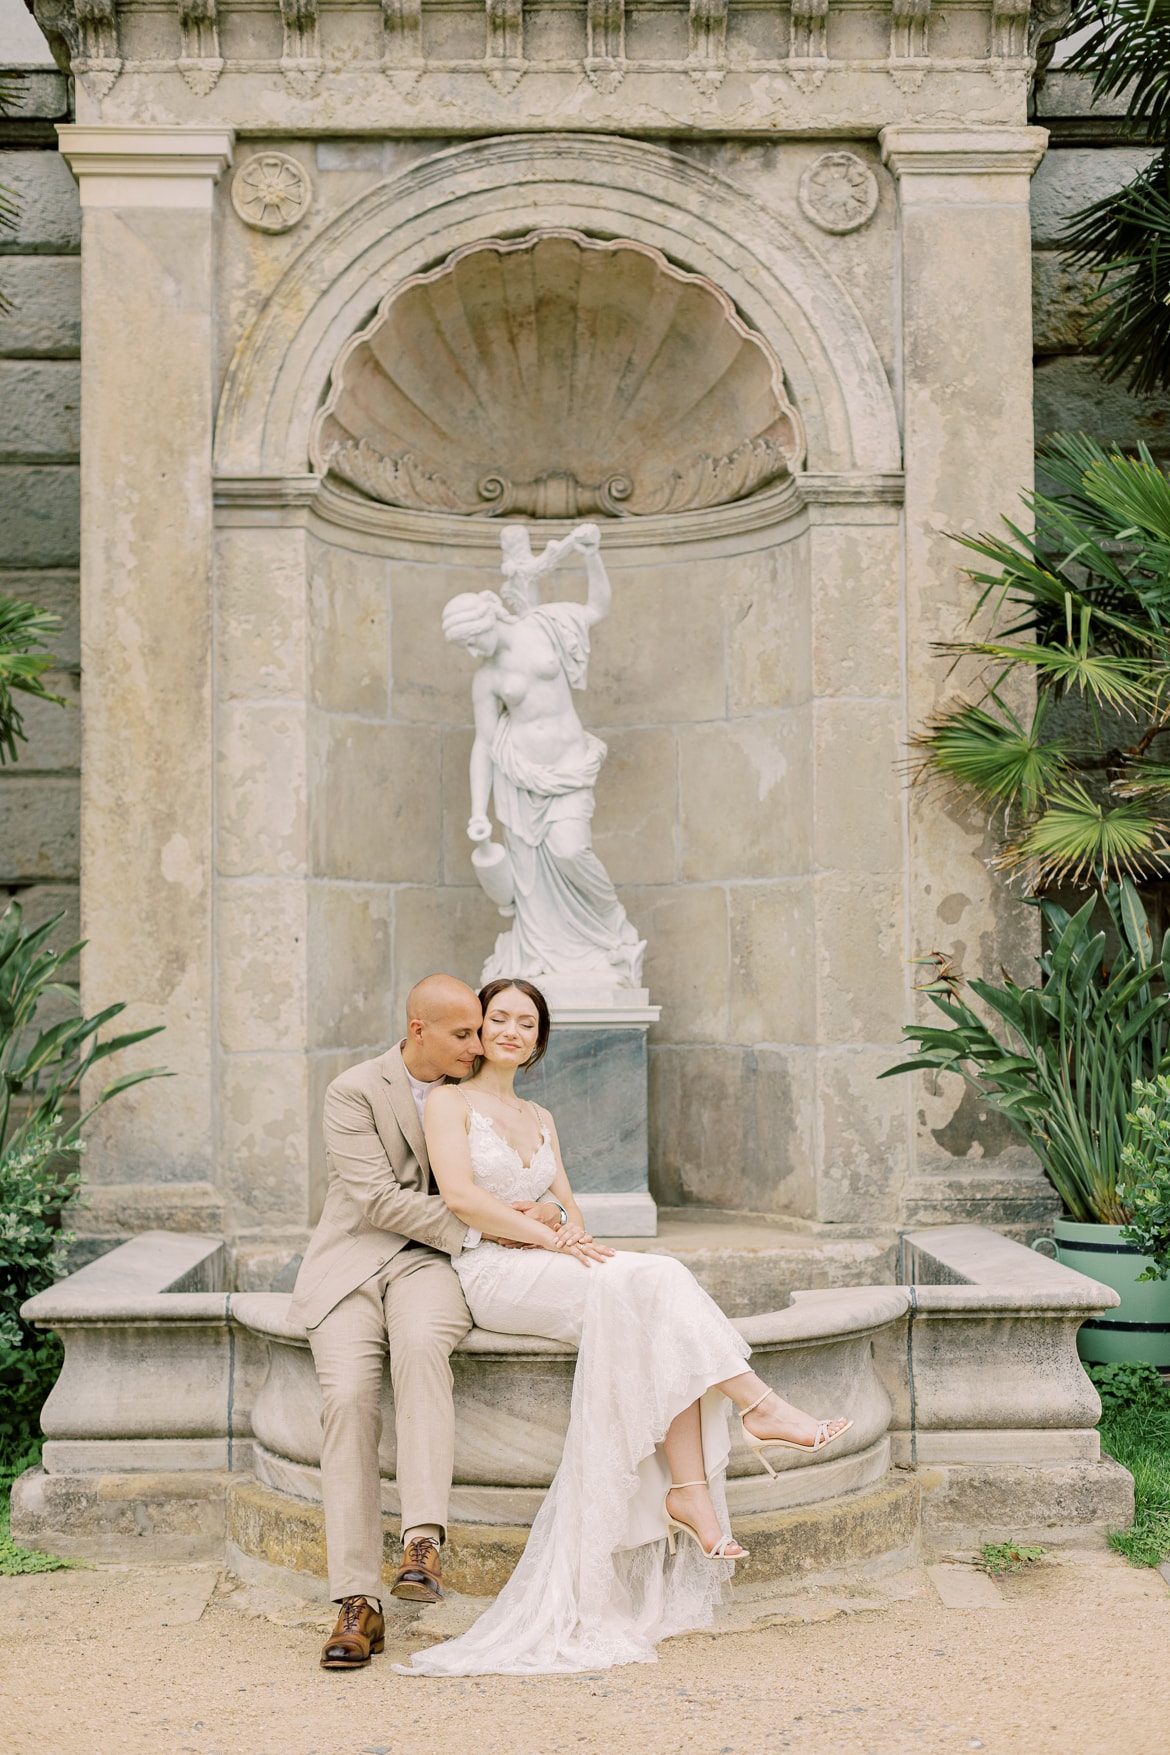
(377, 1276)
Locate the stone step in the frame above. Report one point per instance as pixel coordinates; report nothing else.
(274, 1538)
(752, 1264)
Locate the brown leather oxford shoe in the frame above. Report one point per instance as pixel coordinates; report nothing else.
(419, 1579)
(360, 1631)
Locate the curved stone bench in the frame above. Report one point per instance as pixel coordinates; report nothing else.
(512, 1395)
(186, 1417)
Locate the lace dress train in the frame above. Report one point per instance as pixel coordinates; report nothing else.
(595, 1585)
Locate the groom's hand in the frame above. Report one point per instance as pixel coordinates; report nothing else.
(544, 1212)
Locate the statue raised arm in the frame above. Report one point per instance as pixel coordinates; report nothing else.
(535, 762)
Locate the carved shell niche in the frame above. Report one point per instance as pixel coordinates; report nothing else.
(556, 376)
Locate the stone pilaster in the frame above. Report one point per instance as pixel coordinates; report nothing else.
(146, 571)
(965, 373)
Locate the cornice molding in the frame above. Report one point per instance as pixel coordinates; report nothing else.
(279, 499)
(145, 167)
(914, 151)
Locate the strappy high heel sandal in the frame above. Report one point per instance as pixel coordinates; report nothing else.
(759, 1445)
(674, 1528)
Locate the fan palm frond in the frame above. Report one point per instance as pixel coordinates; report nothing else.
(1127, 51)
(1078, 838)
(1125, 238)
(1124, 684)
(1146, 779)
(1004, 763)
(23, 660)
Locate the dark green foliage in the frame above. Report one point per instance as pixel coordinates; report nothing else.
(1082, 606)
(1135, 1431)
(1070, 1050)
(1145, 1164)
(1126, 237)
(1124, 1386)
(41, 1070)
(23, 660)
(39, 1180)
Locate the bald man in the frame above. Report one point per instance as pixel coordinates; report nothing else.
(377, 1275)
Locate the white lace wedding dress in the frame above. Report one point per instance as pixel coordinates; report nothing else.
(595, 1585)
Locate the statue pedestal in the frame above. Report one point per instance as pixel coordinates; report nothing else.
(594, 1080)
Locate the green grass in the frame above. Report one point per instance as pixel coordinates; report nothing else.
(1138, 1437)
(14, 1560)
(999, 1558)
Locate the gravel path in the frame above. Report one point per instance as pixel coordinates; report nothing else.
(1069, 1658)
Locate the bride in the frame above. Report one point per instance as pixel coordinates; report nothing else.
(603, 1577)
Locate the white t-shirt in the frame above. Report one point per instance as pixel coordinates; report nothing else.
(420, 1090)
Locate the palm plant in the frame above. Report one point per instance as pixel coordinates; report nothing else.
(1065, 1059)
(1125, 236)
(41, 1069)
(1079, 607)
(23, 662)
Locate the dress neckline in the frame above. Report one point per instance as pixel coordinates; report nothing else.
(503, 1138)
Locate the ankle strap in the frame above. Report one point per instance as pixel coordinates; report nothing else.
(677, 1486)
(755, 1404)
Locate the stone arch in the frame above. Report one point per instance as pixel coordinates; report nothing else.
(596, 185)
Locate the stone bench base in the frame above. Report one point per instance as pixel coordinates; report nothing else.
(186, 1424)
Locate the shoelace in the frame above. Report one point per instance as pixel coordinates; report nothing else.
(419, 1551)
(351, 1612)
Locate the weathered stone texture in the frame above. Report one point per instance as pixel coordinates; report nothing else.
(40, 515)
(349, 964)
(1074, 177)
(1063, 303)
(377, 801)
(758, 770)
(734, 1127)
(45, 319)
(39, 838)
(1072, 397)
(49, 220)
(42, 411)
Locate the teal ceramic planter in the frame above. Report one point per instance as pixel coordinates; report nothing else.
(1138, 1331)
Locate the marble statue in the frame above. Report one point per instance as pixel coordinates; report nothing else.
(536, 763)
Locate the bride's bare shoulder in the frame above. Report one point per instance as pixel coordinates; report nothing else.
(447, 1100)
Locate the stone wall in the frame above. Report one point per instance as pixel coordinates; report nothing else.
(40, 345)
(1087, 158)
(755, 681)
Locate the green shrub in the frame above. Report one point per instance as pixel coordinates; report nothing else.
(1145, 1165)
(1122, 1387)
(1062, 1058)
(39, 1180)
(41, 1071)
(1135, 1431)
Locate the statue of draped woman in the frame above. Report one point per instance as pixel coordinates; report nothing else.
(537, 765)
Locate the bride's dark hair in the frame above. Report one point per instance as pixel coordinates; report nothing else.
(543, 1021)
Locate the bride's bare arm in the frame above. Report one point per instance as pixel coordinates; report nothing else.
(450, 1153)
(559, 1186)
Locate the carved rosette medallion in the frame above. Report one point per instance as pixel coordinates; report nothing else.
(838, 193)
(271, 192)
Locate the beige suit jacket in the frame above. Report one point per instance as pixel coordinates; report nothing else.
(378, 1198)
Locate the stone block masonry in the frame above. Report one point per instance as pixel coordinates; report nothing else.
(40, 394)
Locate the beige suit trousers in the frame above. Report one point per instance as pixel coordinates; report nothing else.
(415, 1307)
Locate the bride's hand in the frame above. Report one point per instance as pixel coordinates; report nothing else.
(571, 1240)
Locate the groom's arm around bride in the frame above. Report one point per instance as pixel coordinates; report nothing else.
(377, 1276)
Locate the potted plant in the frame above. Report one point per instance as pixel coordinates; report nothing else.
(1068, 1064)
